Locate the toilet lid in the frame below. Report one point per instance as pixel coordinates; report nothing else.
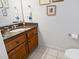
(72, 54)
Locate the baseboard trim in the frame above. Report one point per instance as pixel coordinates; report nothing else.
(52, 47)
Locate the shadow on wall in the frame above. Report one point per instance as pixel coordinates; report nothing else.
(40, 37)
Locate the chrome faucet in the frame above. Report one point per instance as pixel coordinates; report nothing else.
(14, 26)
(7, 28)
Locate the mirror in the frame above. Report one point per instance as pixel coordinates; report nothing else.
(16, 10)
(22, 10)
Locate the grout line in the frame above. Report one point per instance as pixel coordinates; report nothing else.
(43, 56)
(43, 52)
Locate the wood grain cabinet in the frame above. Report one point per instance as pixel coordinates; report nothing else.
(21, 45)
(17, 47)
(32, 39)
(18, 53)
(13, 42)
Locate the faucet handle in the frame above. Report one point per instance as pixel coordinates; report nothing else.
(15, 26)
(5, 31)
(6, 28)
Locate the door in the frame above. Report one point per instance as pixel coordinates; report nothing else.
(30, 44)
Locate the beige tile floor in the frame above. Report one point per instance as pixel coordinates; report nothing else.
(47, 53)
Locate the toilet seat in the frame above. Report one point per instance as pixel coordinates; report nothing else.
(72, 54)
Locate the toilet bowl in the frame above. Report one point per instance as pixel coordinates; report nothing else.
(71, 54)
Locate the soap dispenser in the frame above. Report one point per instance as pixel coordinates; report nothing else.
(30, 13)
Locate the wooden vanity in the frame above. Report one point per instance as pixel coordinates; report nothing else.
(21, 45)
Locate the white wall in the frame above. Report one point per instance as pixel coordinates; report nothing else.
(54, 29)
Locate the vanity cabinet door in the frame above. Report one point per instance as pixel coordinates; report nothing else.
(18, 53)
(32, 39)
(27, 50)
(35, 41)
(30, 44)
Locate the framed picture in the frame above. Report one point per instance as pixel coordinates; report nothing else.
(57, 0)
(44, 2)
(5, 3)
(4, 12)
(51, 10)
(1, 4)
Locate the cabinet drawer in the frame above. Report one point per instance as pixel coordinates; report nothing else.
(18, 53)
(15, 42)
(32, 33)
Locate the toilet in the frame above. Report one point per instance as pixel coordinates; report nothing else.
(71, 54)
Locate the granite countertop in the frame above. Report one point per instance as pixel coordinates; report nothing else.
(11, 34)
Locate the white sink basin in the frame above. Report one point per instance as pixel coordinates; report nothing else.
(20, 29)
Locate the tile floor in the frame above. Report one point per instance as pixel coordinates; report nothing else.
(46, 53)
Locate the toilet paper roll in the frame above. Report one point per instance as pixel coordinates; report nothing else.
(74, 36)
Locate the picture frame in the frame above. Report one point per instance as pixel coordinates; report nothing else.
(5, 3)
(44, 2)
(4, 12)
(51, 10)
(57, 0)
(1, 4)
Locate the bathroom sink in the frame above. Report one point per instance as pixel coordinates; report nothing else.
(20, 29)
